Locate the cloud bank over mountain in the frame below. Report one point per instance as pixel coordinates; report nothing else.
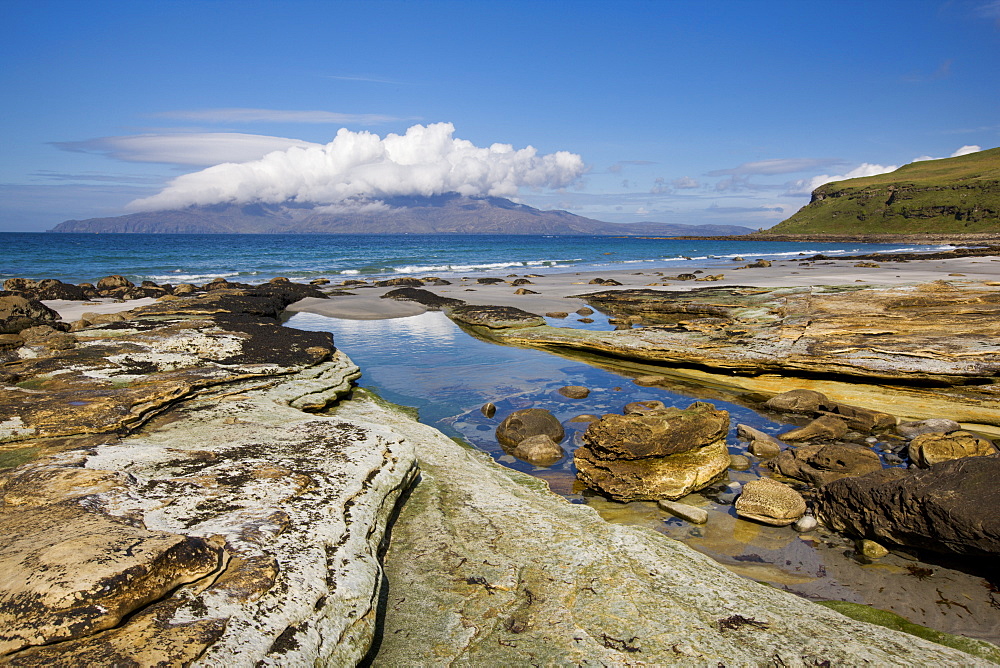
(361, 166)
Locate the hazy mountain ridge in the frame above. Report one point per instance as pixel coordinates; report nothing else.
(952, 195)
(438, 214)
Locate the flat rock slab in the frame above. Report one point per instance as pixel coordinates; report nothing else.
(120, 374)
(487, 567)
(864, 346)
(69, 572)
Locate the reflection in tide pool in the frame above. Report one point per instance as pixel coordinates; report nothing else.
(427, 362)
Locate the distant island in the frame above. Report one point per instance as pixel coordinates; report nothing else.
(438, 214)
(951, 196)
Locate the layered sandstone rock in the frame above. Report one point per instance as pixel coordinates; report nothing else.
(660, 454)
(914, 351)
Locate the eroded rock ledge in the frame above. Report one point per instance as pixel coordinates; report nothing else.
(916, 351)
(180, 505)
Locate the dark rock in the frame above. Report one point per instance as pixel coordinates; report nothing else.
(557, 314)
(489, 409)
(947, 508)
(403, 281)
(521, 281)
(527, 422)
(421, 296)
(825, 428)
(490, 281)
(574, 392)
(18, 313)
(820, 464)
(495, 317)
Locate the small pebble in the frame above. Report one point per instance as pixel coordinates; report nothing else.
(684, 511)
(738, 462)
(870, 549)
(805, 523)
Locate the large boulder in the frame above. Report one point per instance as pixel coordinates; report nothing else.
(820, 464)
(863, 419)
(947, 508)
(657, 433)
(770, 502)
(652, 478)
(528, 422)
(539, 450)
(929, 449)
(18, 313)
(663, 454)
(114, 282)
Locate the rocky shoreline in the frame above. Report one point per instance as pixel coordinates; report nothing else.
(224, 497)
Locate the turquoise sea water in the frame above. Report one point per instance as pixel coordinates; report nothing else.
(255, 258)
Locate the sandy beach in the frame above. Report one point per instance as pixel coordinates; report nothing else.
(556, 292)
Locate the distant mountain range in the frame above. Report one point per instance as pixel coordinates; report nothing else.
(947, 196)
(438, 214)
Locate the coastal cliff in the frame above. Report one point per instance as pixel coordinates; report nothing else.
(949, 196)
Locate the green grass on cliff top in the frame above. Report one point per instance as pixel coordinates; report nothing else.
(948, 196)
(981, 166)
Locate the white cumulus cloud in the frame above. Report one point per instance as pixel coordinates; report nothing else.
(965, 150)
(806, 186)
(426, 160)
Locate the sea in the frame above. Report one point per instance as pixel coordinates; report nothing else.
(256, 258)
(445, 376)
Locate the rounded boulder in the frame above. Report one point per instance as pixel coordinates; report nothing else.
(528, 422)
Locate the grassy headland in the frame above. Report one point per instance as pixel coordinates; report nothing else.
(951, 196)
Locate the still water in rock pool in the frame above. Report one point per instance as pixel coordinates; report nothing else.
(427, 362)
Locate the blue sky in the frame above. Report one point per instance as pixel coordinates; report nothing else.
(687, 112)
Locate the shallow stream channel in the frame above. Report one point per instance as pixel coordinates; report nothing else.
(428, 363)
